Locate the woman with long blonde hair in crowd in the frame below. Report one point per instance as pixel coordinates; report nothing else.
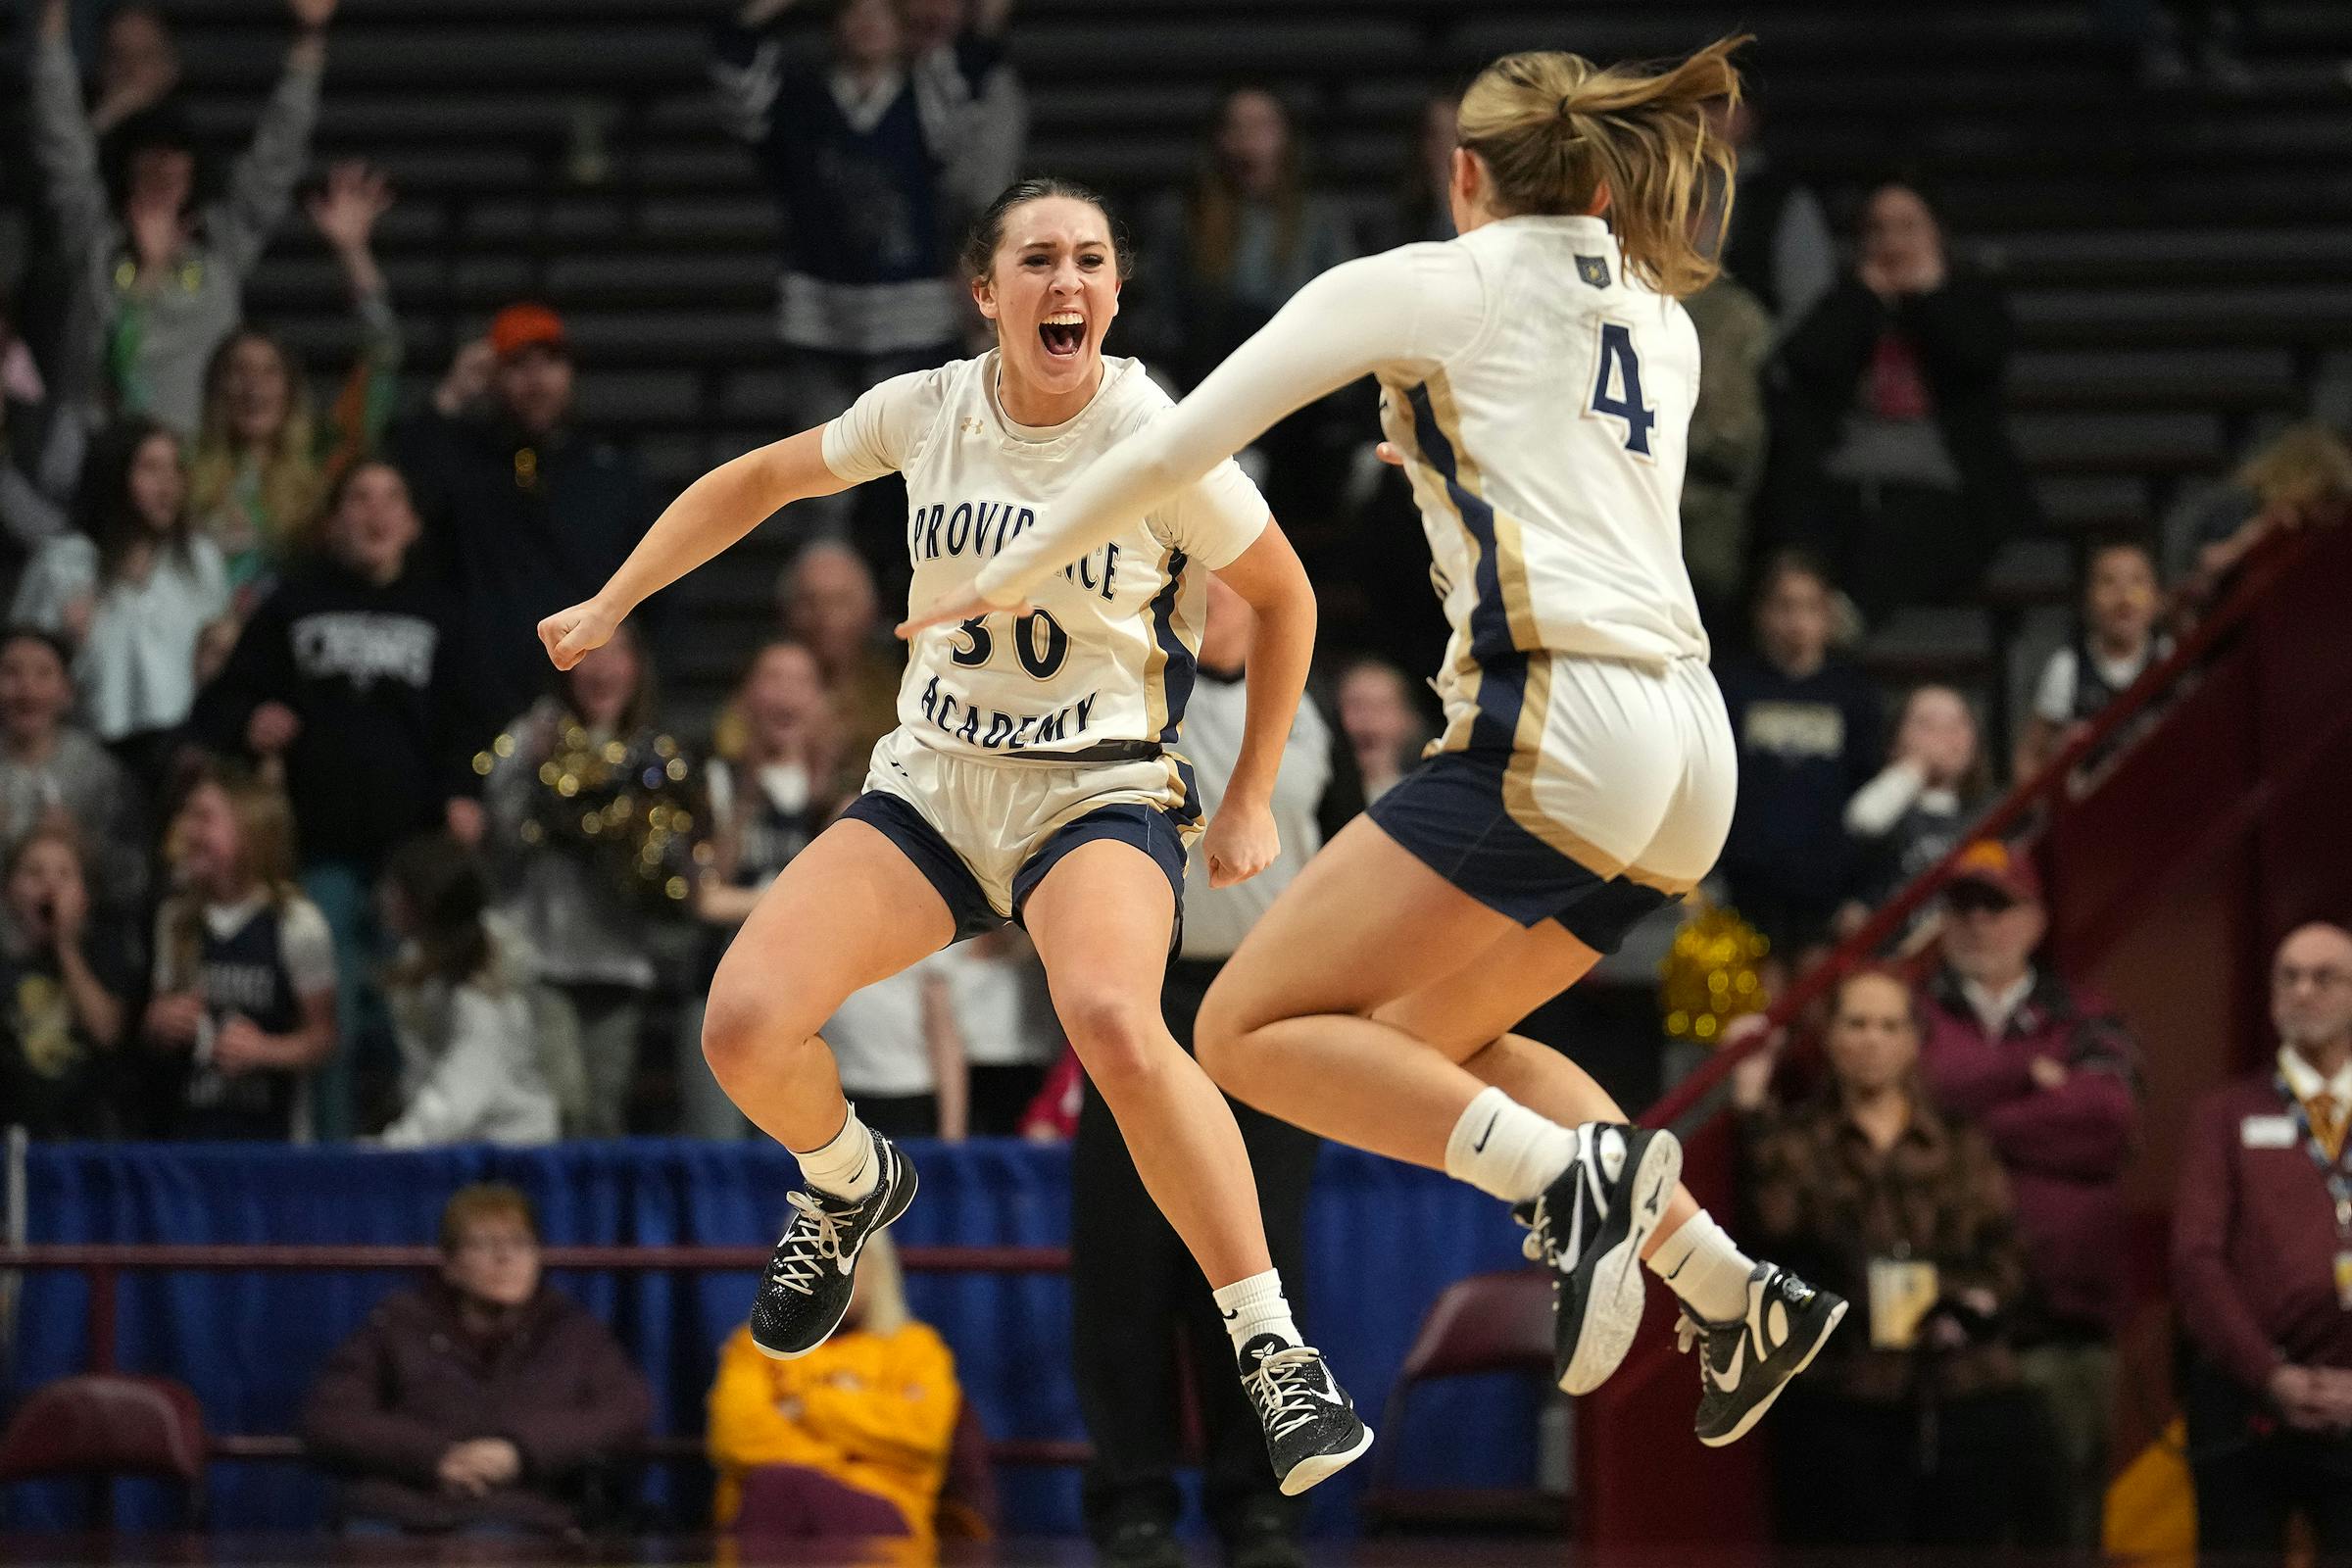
(1537, 378)
(243, 1005)
(264, 458)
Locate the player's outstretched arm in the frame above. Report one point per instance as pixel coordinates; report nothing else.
(1341, 326)
(1242, 840)
(712, 513)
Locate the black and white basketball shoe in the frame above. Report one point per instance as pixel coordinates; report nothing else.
(1743, 1366)
(809, 1279)
(1588, 1228)
(1312, 1429)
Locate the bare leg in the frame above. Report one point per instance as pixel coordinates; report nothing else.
(1102, 920)
(849, 910)
(1467, 1015)
(1416, 1025)
(1290, 1025)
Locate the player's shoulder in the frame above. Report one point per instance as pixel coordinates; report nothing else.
(931, 388)
(1130, 397)
(1441, 270)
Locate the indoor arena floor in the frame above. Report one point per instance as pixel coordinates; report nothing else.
(49, 1551)
(228, 1552)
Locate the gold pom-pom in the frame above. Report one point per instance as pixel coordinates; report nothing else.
(1709, 976)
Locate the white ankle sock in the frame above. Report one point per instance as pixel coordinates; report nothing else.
(1702, 1264)
(1255, 1306)
(845, 1167)
(1502, 1147)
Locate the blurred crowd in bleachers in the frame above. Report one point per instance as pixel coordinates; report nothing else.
(305, 840)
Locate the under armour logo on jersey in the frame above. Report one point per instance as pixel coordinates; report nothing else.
(1594, 269)
(975, 426)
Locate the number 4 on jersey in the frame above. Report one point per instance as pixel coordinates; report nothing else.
(1619, 365)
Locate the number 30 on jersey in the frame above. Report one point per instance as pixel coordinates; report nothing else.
(1617, 388)
(1039, 644)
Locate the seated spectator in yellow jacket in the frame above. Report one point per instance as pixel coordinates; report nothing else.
(848, 1440)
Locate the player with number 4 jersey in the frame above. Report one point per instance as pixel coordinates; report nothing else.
(1536, 379)
(1033, 777)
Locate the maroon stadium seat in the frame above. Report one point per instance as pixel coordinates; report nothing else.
(103, 1425)
(1498, 1322)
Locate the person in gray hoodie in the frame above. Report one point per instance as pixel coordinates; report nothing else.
(159, 275)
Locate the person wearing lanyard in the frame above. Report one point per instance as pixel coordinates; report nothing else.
(2261, 1270)
(1132, 1285)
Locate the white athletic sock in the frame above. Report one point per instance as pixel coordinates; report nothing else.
(1255, 1306)
(1702, 1264)
(1502, 1147)
(845, 1167)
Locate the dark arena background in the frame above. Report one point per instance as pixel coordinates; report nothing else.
(2015, 510)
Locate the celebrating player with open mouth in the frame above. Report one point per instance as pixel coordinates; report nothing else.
(1538, 377)
(1033, 776)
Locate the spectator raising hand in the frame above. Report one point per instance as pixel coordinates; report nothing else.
(1911, 814)
(346, 208)
(138, 66)
(146, 344)
(522, 513)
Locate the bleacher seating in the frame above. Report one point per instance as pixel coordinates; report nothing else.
(2175, 261)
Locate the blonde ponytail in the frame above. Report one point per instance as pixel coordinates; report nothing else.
(1555, 131)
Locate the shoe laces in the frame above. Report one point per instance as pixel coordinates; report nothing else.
(1285, 1388)
(1691, 1333)
(1541, 1243)
(813, 1237)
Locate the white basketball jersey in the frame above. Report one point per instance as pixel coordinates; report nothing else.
(1545, 426)
(1105, 656)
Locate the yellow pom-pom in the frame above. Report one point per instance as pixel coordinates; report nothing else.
(1708, 977)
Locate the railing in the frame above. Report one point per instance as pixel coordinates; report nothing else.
(1638, 1429)
(2262, 570)
(104, 1266)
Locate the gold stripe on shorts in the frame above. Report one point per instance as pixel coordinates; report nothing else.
(1671, 887)
(1519, 779)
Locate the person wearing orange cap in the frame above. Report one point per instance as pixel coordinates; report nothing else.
(2054, 1077)
(523, 513)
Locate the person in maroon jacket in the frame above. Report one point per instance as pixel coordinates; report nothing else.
(2261, 1270)
(482, 1401)
(2052, 1076)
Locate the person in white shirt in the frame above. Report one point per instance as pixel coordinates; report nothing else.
(140, 594)
(897, 1049)
(1033, 776)
(1132, 1290)
(1005, 1037)
(1538, 377)
(459, 994)
(1919, 805)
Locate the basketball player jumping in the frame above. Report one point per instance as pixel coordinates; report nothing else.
(1538, 377)
(1033, 776)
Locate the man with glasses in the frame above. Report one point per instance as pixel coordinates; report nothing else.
(481, 1402)
(2261, 1270)
(2053, 1078)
